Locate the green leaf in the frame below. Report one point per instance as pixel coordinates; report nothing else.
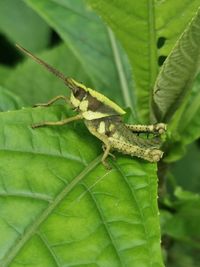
(60, 207)
(178, 249)
(8, 100)
(141, 27)
(185, 127)
(92, 43)
(133, 24)
(21, 25)
(178, 72)
(172, 18)
(4, 73)
(187, 254)
(183, 225)
(187, 170)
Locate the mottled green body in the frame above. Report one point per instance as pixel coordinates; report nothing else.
(103, 119)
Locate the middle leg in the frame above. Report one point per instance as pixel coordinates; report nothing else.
(54, 123)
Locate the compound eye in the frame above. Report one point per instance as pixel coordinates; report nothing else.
(76, 91)
(79, 93)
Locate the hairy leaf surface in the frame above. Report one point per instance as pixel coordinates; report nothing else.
(60, 207)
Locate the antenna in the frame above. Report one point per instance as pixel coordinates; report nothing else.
(67, 81)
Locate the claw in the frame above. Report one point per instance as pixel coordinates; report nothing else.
(106, 165)
(33, 126)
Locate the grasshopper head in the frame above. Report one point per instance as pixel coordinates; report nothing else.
(78, 92)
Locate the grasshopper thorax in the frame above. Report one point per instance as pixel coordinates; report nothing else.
(91, 103)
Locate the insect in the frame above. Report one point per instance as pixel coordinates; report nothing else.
(103, 118)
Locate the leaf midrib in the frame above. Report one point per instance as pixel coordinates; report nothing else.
(11, 254)
(153, 68)
(105, 224)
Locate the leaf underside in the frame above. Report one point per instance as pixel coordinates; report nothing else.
(178, 72)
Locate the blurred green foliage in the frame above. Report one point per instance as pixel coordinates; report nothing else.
(58, 205)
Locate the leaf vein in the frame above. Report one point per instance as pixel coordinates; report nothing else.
(132, 190)
(104, 223)
(50, 249)
(30, 231)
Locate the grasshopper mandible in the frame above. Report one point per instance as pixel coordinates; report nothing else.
(103, 118)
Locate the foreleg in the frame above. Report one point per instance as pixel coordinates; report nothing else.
(53, 100)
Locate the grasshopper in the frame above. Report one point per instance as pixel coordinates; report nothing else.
(103, 118)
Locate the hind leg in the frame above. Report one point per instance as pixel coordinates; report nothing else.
(149, 154)
(158, 128)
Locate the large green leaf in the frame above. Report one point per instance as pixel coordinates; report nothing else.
(92, 43)
(142, 26)
(178, 72)
(21, 25)
(60, 207)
